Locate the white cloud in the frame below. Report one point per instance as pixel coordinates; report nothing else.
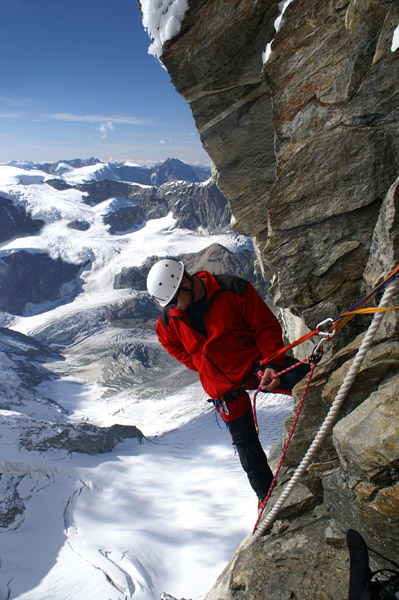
(105, 128)
(105, 121)
(10, 115)
(125, 120)
(15, 101)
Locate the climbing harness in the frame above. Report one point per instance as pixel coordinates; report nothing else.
(221, 403)
(263, 524)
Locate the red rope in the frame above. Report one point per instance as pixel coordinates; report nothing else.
(260, 375)
(263, 504)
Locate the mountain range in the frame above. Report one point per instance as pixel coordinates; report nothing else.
(84, 376)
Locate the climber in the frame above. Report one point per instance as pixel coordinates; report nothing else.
(219, 326)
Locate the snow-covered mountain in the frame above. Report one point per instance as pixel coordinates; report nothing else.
(79, 171)
(113, 463)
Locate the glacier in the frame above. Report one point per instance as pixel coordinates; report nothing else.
(132, 516)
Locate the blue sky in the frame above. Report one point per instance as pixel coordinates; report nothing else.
(76, 81)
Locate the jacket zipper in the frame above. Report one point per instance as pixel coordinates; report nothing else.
(218, 369)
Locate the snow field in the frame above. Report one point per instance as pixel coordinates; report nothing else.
(164, 515)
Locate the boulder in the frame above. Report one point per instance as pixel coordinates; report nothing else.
(76, 437)
(79, 225)
(365, 492)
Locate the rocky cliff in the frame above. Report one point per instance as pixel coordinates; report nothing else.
(305, 148)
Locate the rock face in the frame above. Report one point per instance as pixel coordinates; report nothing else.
(14, 221)
(305, 148)
(197, 206)
(194, 205)
(33, 278)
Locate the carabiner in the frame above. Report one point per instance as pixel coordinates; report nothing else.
(317, 353)
(326, 334)
(226, 410)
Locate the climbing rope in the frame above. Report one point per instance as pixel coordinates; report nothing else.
(335, 407)
(341, 320)
(263, 504)
(315, 357)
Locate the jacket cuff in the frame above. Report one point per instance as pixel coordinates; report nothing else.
(273, 365)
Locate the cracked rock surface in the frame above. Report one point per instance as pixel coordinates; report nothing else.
(305, 149)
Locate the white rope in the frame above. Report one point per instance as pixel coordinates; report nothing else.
(331, 415)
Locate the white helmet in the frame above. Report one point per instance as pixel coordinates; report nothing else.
(163, 280)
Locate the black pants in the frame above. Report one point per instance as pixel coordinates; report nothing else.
(245, 438)
(252, 456)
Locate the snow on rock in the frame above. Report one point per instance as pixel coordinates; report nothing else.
(395, 40)
(97, 172)
(282, 7)
(63, 168)
(162, 19)
(11, 176)
(165, 596)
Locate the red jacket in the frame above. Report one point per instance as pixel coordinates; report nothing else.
(240, 328)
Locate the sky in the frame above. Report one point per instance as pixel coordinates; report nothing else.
(77, 81)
